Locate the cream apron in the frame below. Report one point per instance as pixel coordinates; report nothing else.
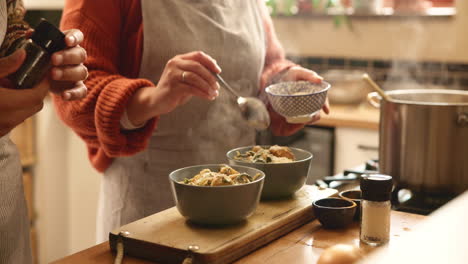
(199, 132)
(14, 225)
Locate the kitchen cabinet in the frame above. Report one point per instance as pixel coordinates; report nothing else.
(319, 141)
(356, 134)
(28, 194)
(23, 136)
(353, 146)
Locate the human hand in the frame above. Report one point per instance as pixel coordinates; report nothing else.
(298, 73)
(68, 71)
(184, 76)
(17, 105)
(316, 117)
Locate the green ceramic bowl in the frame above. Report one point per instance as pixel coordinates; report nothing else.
(216, 205)
(282, 180)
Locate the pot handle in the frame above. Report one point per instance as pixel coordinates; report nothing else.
(374, 99)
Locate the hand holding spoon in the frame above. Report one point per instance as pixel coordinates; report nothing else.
(253, 109)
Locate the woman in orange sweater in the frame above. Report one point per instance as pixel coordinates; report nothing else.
(154, 105)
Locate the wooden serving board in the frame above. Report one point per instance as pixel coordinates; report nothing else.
(166, 236)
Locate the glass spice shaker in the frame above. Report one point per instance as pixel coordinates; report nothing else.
(45, 40)
(375, 208)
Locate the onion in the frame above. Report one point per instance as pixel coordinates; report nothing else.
(340, 254)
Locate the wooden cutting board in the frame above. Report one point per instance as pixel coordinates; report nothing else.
(166, 236)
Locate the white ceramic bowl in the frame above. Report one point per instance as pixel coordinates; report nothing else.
(297, 101)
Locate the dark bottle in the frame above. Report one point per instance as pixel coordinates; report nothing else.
(45, 40)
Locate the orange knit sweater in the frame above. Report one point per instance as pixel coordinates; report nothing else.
(114, 34)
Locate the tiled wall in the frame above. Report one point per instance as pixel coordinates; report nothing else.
(449, 75)
(425, 73)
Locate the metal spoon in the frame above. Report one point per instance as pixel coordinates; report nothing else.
(253, 110)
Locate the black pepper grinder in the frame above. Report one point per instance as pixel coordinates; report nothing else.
(45, 40)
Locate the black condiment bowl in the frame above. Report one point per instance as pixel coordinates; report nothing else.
(334, 213)
(355, 196)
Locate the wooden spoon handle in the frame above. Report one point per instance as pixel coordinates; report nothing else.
(379, 90)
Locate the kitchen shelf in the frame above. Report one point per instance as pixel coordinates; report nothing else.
(387, 13)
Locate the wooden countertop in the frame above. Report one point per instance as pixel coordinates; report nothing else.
(439, 239)
(353, 116)
(304, 245)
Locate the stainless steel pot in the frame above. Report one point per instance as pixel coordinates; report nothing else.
(424, 139)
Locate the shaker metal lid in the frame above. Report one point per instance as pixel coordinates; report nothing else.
(376, 187)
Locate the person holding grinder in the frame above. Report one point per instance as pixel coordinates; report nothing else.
(17, 103)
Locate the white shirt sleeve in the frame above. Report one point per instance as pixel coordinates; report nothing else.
(126, 124)
(5, 137)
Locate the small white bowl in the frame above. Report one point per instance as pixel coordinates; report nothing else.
(297, 101)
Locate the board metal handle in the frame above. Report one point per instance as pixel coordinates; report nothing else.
(190, 258)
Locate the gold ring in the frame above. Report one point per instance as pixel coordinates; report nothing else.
(183, 76)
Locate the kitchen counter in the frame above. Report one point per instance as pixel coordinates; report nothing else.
(304, 245)
(439, 239)
(352, 116)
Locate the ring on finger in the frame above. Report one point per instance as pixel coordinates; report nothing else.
(183, 76)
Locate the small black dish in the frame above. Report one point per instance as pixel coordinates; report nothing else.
(334, 213)
(354, 195)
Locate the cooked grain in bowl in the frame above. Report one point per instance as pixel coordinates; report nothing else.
(273, 154)
(225, 176)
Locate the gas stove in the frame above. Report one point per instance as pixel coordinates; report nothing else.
(403, 199)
